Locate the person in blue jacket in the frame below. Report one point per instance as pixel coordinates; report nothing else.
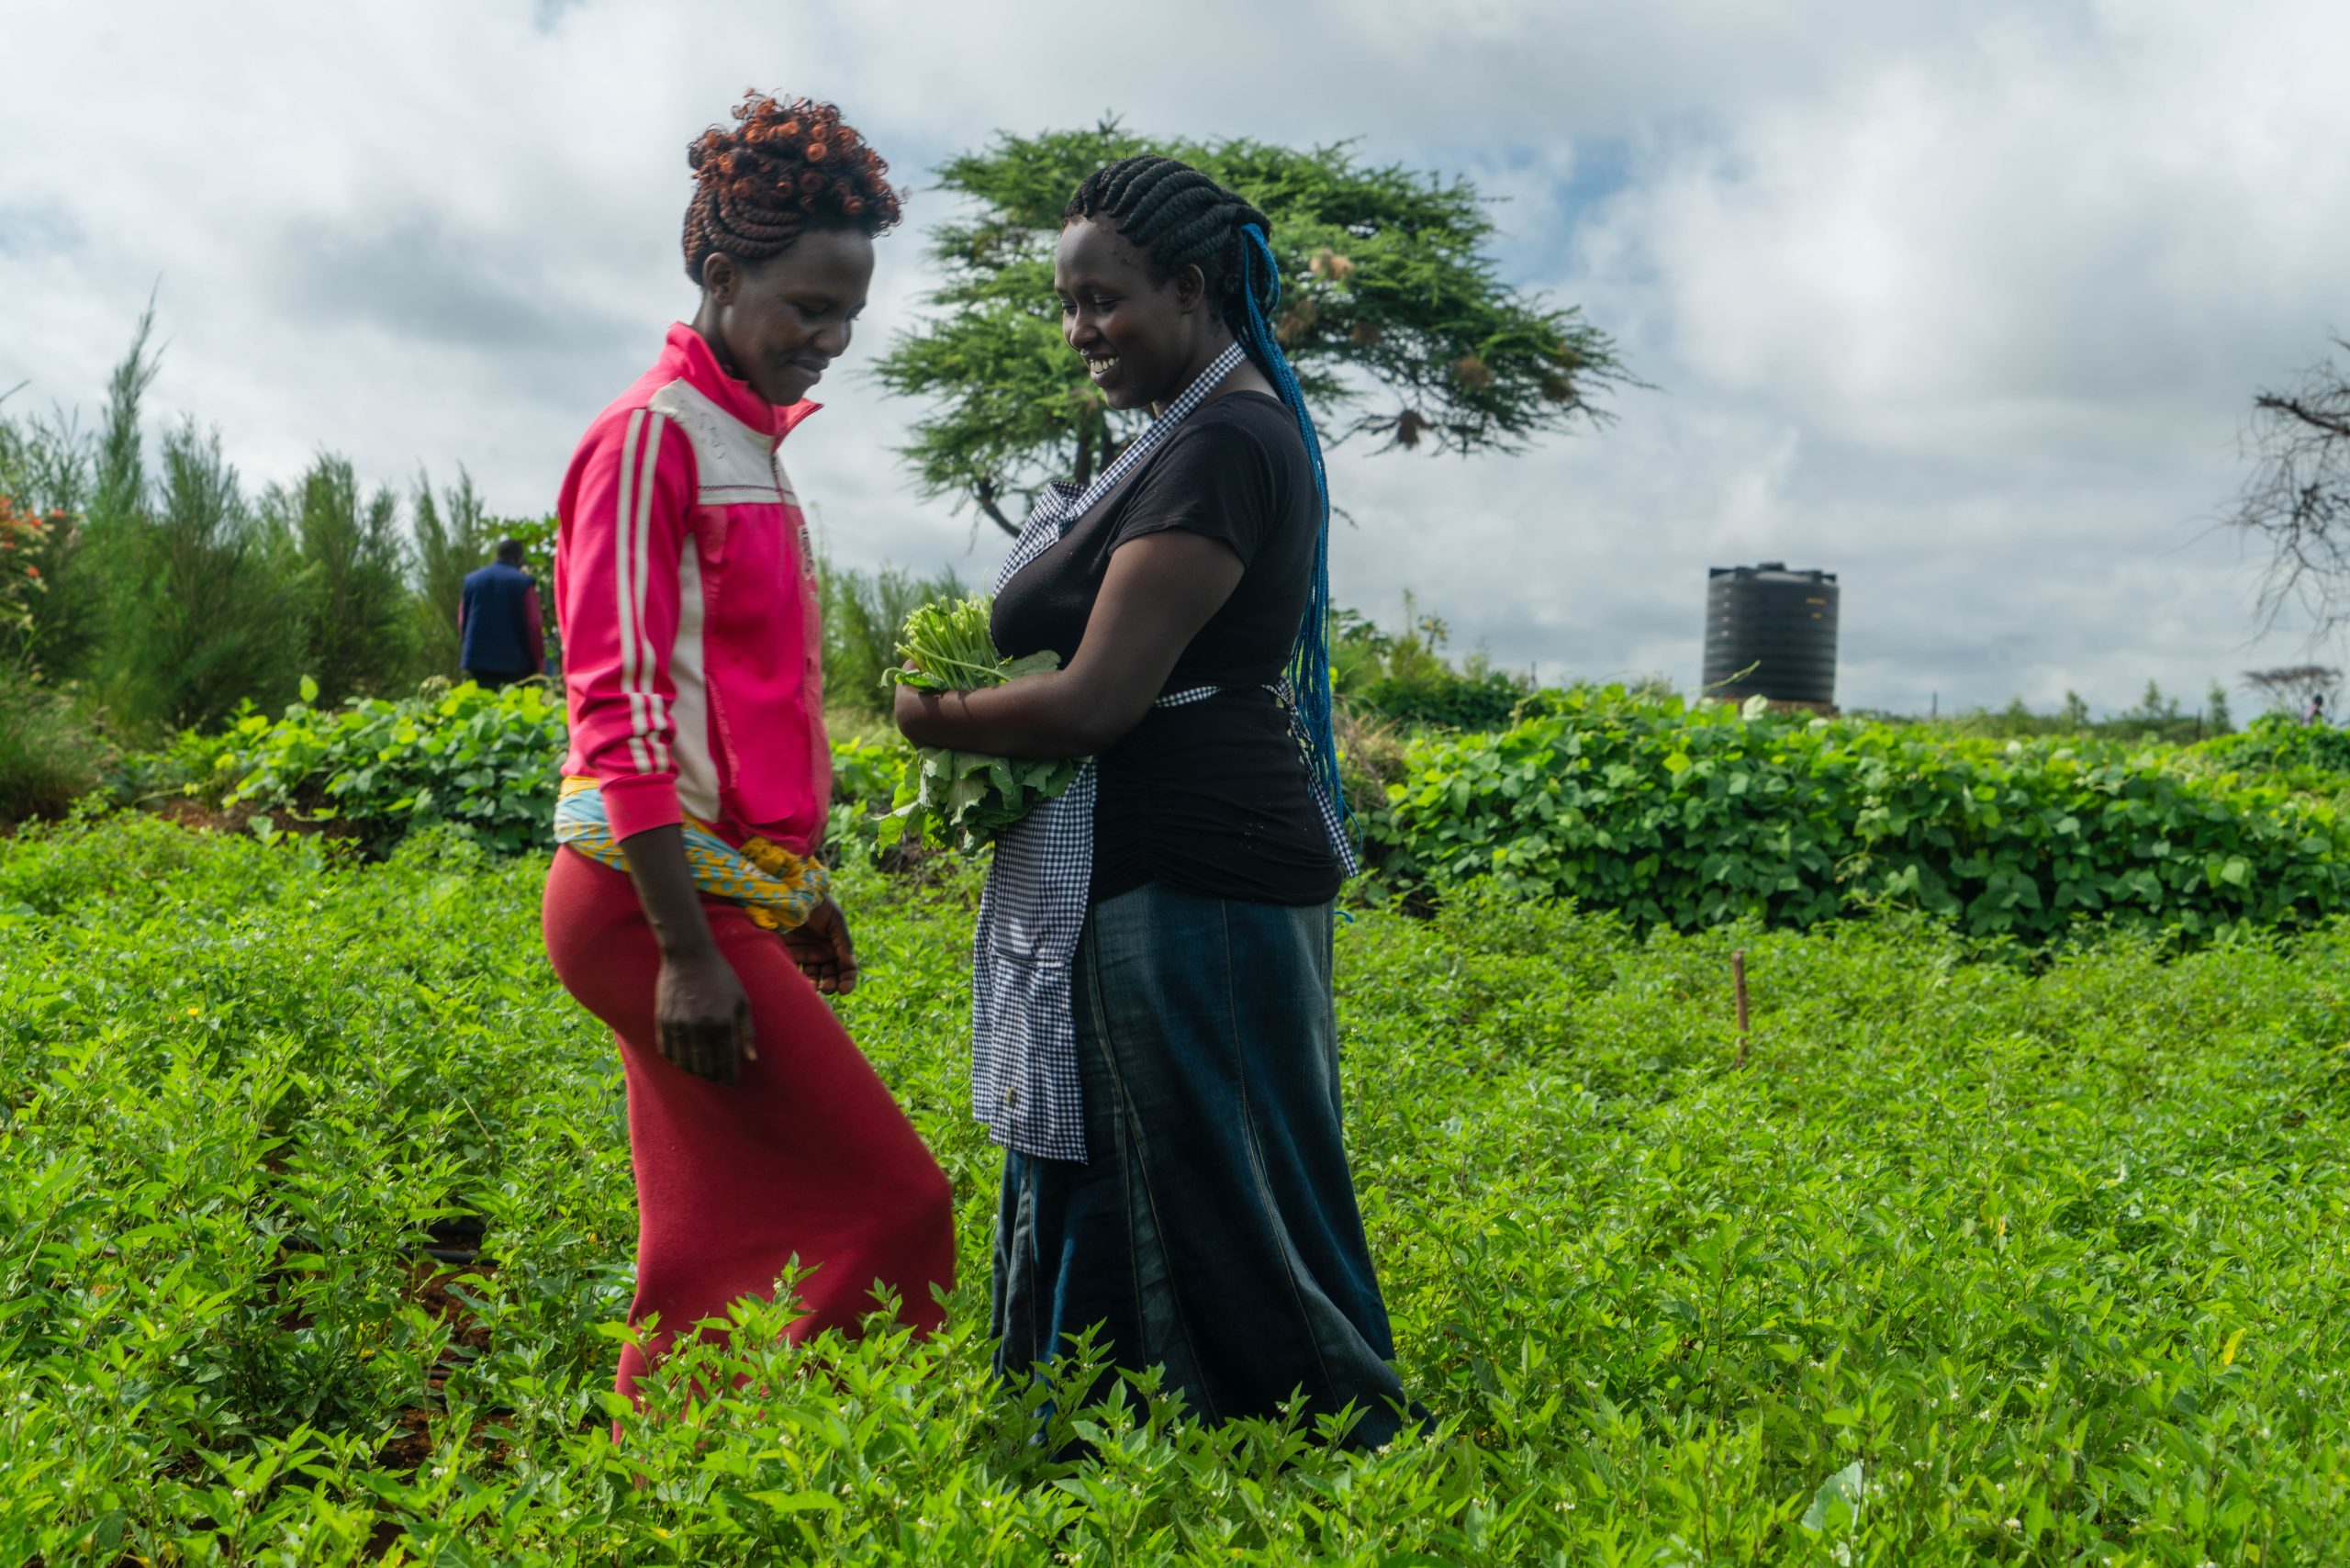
(501, 632)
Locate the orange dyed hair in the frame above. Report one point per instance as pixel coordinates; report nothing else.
(782, 169)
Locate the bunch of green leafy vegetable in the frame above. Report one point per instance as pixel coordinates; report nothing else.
(965, 798)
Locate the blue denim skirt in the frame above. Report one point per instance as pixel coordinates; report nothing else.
(1213, 1231)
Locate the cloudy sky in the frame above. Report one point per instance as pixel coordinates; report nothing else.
(1965, 303)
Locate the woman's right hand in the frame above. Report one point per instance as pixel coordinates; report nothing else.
(702, 1016)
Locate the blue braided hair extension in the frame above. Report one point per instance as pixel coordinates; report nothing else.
(1309, 661)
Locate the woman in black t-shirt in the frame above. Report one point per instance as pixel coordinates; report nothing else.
(1155, 1043)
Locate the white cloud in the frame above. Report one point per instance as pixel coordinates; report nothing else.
(1963, 302)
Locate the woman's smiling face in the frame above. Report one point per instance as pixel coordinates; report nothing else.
(1141, 339)
(780, 323)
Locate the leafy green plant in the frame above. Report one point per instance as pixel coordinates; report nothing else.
(1406, 677)
(485, 763)
(865, 786)
(1450, 698)
(1691, 816)
(2280, 743)
(965, 798)
(1974, 1262)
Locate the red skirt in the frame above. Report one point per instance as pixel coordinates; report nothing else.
(807, 1155)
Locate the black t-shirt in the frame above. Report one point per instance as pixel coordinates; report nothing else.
(1213, 797)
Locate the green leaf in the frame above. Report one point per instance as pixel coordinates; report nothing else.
(1043, 662)
(1836, 1505)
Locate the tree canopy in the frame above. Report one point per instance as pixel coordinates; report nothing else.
(1393, 314)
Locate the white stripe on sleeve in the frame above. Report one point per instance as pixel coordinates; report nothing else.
(656, 712)
(631, 591)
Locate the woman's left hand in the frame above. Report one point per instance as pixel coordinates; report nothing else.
(1158, 592)
(821, 946)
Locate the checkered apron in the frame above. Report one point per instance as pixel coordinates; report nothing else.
(1024, 1082)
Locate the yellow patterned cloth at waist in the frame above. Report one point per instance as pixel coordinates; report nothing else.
(776, 888)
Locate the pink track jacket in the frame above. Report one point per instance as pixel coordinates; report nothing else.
(685, 592)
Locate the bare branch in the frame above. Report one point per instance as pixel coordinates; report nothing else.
(2298, 498)
(2333, 424)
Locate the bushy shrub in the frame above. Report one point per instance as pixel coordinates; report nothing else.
(1689, 816)
(49, 756)
(177, 595)
(2281, 744)
(45, 470)
(483, 762)
(202, 612)
(864, 778)
(1447, 697)
(1676, 815)
(26, 538)
(1405, 677)
(348, 574)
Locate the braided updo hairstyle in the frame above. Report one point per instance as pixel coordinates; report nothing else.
(1177, 217)
(782, 169)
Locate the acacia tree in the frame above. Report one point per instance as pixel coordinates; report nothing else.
(1392, 315)
(2298, 499)
(2292, 688)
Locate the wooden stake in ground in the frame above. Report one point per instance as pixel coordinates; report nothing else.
(1737, 992)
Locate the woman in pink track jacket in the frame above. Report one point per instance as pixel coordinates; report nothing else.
(685, 908)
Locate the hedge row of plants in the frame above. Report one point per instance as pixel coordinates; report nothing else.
(2312, 756)
(1691, 815)
(373, 771)
(1675, 814)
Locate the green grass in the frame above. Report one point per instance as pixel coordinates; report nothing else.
(2054, 1252)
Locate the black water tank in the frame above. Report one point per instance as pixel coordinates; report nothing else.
(1781, 623)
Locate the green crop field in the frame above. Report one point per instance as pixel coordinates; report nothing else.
(1978, 1259)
